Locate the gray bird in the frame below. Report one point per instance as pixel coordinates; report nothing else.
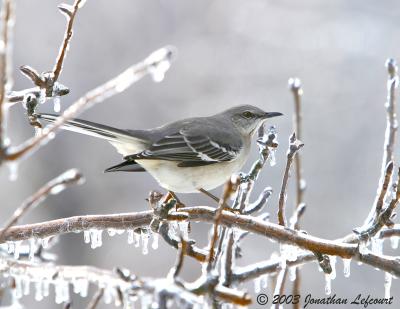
(187, 155)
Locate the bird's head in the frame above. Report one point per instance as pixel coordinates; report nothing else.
(248, 118)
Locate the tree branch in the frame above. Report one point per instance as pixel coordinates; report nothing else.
(156, 64)
(54, 186)
(7, 25)
(294, 147)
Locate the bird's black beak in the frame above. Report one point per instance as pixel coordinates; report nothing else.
(272, 114)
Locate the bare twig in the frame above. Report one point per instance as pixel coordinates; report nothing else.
(54, 186)
(294, 147)
(156, 64)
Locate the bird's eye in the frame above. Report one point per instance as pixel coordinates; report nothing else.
(247, 114)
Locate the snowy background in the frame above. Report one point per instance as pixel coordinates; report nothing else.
(230, 52)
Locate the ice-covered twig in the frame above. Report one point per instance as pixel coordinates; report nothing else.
(266, 143)
(191, 250)
(69, 13)
(229, 258)
(7, 24)
(54, 186)
(179, 260)
(339, 247)
(294, 147)
(384, 217)
(295, 87)
(156, 63)
(280, 285)
(390, 133)
(387, 176)
(229, 188)
(96, 299)
(47, 85)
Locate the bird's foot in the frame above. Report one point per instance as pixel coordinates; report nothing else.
(172, 195)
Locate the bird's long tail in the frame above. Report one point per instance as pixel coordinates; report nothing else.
(123, 140)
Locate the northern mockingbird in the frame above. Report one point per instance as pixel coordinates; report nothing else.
(187, 155)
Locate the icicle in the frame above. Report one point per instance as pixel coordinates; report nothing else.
(264, 281)
(394, 242)
(57, 104)
(388, 284)
(333, 265)
(81, 287)
(257, 285)
(154, 244)
(111, 232)
(146, 301)
(131, 236)
(17, 249)
(32, 248)
(45, 242)
(26, 285)
(328, 288)
(120, 232)
(292, 273)
(10, 247)
(39, 290)
(96, 240)
(184, 229)
(376, 245)
(117, 299)
(46, 287)
(145, 235)
(289, 252)
(346, 267)
(173, 229)
(61, 292)
(363, 247)
(13, 168)
(18, 287)
(137, 235)
(86, 236)
(272, 156)
(108, 295)
(42, 96)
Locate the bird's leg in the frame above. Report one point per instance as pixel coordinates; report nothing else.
(179, 204)
(212, 196)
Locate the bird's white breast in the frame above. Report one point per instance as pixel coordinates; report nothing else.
(191, 179)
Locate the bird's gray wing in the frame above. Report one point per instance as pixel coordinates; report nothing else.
(191, 147)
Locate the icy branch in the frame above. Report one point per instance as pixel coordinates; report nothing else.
(294, 147)
(54, 186)
(7, 25)
(156, 64)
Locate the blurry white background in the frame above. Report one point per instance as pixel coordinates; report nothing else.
(230, 52)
